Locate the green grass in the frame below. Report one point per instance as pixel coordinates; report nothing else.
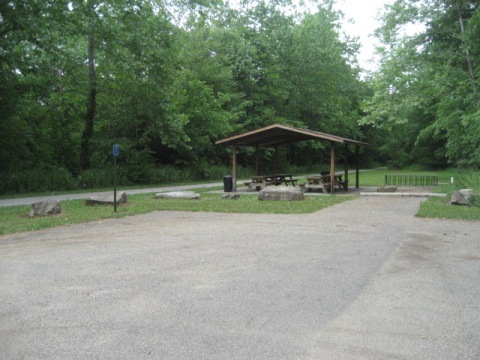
(15, 219)
(440, 208)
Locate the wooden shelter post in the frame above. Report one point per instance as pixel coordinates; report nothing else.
(276, 159)
(234, 165)
(257, 159)
(357, 168)
(332, 167)
(346, 167)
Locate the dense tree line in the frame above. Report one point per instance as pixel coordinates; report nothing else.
(165, 79)
(426, 93)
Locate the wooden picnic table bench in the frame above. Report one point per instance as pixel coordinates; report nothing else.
(259, 182)
(322, 182)
(284, 178)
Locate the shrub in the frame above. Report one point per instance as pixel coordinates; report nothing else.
(34, 180)
(97, 178)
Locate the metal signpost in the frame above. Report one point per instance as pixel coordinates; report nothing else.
(116, 150)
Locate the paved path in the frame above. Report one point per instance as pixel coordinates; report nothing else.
(364, 279)
(34, 199)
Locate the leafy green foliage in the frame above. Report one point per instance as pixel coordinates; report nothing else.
(426, 92)
(164, 80)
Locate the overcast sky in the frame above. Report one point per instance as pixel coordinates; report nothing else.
(364, 14)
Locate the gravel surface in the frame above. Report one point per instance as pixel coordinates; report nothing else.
(364, 279)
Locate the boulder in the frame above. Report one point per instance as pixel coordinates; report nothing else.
(106, 199)
(462, 197)
(387, 189)
(231, 196)
(188, 195)
(285, 193)
(45, 207)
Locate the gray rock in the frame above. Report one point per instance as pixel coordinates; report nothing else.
(230, 196)
(284, 193)
(45, 207)
(106, 199)
(188, 195)
(387, 189)
(462, 197)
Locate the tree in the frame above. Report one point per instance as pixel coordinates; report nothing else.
(326, 87)
(427, 82)
(82, 75)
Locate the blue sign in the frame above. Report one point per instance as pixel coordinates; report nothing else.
(116, 150)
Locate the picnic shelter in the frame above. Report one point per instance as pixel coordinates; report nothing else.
(277, 135)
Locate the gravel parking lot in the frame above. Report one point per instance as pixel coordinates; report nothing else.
(364, 279)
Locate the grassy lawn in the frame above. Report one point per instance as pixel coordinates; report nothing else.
(15, 219)
(441, 209)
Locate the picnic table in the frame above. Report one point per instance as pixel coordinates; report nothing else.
(322, 182)
(261, 181)
(284, 178)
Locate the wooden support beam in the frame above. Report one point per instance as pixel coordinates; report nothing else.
(276, 159)
(357, 168)
(234, 164)
(345, 177)
(257, 160)
(332, 167)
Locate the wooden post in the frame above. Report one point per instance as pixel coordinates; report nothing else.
(234, 164)
(332, 167)
(345, 177)
(276, 159)
(357, 168)
(257, 160)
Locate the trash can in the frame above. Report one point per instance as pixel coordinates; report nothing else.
(227, 183)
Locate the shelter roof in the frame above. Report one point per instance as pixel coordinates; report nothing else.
(277, 134)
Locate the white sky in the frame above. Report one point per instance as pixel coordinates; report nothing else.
(364, 14)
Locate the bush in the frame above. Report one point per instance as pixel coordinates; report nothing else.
(97, 178)
(468, 180)
(36, 180)
(165, 174)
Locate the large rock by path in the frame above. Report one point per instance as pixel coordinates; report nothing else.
(285, 193)
(106, 199)
(462, 197)
(188, 195)
(45, 207)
